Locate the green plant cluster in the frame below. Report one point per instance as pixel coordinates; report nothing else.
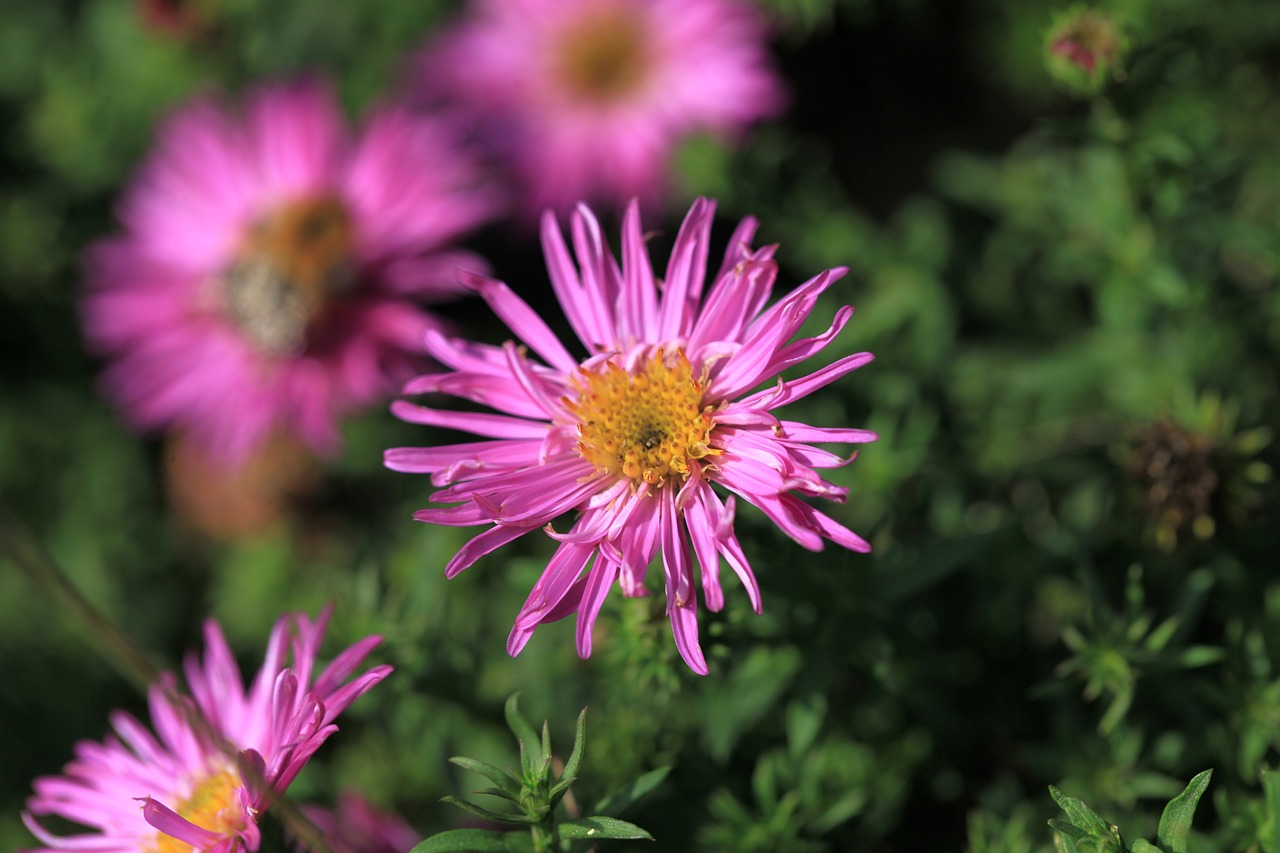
(1073, 292)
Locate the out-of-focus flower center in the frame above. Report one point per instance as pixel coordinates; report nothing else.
(603, 55)
(213, 805)
(293, 262)
(648, 424)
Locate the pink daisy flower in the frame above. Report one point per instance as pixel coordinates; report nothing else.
(267, 276)
(356, 826)
(587, 98)
(671, 398)
(221, 756)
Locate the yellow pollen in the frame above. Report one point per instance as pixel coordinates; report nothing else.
(603, 55)
(649, 424)
(291, 264)
(213, 805)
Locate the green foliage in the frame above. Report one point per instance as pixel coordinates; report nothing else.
(1120, 647)
(1085, 832)
(537, 795)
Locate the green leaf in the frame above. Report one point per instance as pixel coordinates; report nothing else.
(496, 775)
(530, 743)
(1175, 823)
(579, 746)
(628, 795)
(1200, 656)
(804, 722)
(1269, 832)
(601, 827)
(1144, 846)
(1160, 637)
(1081, 816)
(487, 814)
(1068, 829)
(575, 759)
(465, 841)
(497, 792)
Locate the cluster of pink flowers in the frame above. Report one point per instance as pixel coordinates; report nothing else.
(271, 270)
(270, 278)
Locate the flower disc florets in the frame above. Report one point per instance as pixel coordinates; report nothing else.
(291, 265)
(648, 424)
(214, 806)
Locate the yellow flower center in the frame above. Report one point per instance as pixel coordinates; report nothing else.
(603, 55)
(648, 424)
(292, 262)
(213, 805)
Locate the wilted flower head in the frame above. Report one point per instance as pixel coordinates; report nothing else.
(217, 759)
(266, 277)
(667, 401)
(1083, 49)
(1194, 469)
(588, 98)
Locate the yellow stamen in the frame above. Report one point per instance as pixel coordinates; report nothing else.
(649, 424)
(213, 805)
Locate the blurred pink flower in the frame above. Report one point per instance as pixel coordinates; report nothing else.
(269, 267)
(222, 755)
(355, 826)
(586, 99)
(667, 402)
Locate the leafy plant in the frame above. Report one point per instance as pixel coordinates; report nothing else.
(537, 797)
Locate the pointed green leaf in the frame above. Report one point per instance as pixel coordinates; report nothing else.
(1065, 844)
(1175, 823)
(561, 788)
(465, 841)
(1068, 829)
(530, 743)
(546, 742)
(1138, 628)
(1144, 846)
(1081, 815)
(497, 792)
(487, 814)
(1269, 833)
(575, 759)
(1200, 656)
(1160, 637)
(622, 799)
(496, 775)
(601, 827)
(579, 746)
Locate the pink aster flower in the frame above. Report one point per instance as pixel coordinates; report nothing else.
(217, 759)
(268, 273)
(587, 98)
(678, 391)
(355, 826)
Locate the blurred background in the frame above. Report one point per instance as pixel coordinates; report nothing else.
(1067, 269)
